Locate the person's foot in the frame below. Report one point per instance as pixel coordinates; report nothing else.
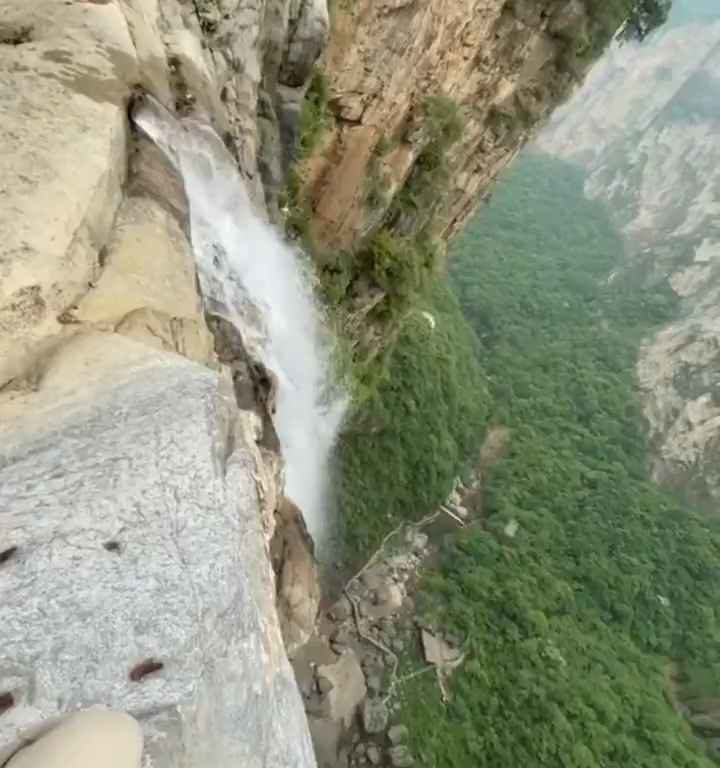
(91, 738)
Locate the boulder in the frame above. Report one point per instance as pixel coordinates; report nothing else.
(373, 754)
(348, 688)
(460, 511)
(374, 578)
(454, 499)
(341, 610)
(387, 600)
(93, 738)
(298, 584)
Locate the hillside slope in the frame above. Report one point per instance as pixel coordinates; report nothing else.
(653, 154)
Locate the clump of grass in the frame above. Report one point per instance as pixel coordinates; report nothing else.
(315, 115)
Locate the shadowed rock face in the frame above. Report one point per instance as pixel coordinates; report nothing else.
(131, 497)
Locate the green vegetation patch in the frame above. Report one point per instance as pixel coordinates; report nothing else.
(571, 614)
(422, 193)
(399, 455)
(315, 114)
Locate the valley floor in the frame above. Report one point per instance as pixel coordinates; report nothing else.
(584, 579)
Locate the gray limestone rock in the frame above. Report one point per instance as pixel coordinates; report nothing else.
(141, 580)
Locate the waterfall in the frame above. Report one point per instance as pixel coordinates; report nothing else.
(258, 282)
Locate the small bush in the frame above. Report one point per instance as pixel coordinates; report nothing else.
(400, 266)
(443, 121)
(423, 191)
(315, 115)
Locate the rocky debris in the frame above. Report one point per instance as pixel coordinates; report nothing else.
(384, 601)
(443, 656)
(341, 610)
(346, 688)
(370, 641)
(374, 715)
(326, 735)
(400, 756)
(417, 540)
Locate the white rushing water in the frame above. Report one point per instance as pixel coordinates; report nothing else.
(257, 282)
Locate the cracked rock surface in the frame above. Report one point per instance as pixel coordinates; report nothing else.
(140, 579)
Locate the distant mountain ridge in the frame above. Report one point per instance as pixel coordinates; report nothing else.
(646, 128)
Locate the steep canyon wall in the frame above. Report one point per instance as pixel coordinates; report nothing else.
(645, 127)
(139, 477)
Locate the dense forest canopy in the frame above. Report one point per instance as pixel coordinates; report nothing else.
(575, 624)
(400, 453)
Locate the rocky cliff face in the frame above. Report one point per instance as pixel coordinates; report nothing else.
(645, 127)
(138, 491)
(503, 65)
(140, 482)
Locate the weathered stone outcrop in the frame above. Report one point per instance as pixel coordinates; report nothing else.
(68, 70)
(505, 64)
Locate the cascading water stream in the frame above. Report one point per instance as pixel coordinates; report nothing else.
(256, 281)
